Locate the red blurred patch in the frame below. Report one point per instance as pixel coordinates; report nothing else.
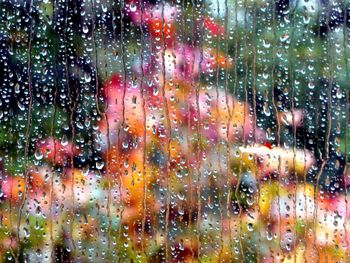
(268, 145)
(213, 27)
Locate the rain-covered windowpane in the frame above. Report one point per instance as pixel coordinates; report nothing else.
(174, 131)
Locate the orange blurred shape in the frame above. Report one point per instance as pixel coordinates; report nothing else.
(214, 58)
(124, 107)
(157, 29)
(37, 178)
(128, 167)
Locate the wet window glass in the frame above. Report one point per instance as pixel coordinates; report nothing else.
(174, 131)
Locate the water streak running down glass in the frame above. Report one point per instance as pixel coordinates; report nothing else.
(174, 131)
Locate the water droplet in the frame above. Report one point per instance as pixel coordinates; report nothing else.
(38, 154)
(100, 165)
(64, 140)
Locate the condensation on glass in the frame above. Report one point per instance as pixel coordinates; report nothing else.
(174, 131)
